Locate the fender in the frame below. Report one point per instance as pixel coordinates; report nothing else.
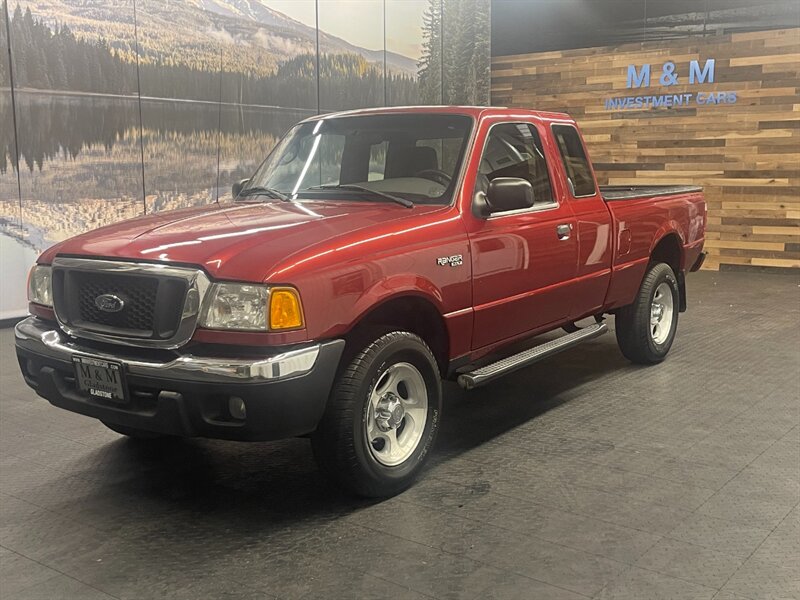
(396, 286)
(668, 228)
(672, 228)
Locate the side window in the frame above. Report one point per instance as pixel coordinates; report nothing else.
(574, 158)
(515, 150)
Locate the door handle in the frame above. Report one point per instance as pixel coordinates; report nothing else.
(563, 231)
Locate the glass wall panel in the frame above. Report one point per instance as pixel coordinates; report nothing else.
(351, 54)
(259, 106)
(77, 118)
(413, 71)
(272, 61)
(16, 254)
(466, 45)
(180, 56)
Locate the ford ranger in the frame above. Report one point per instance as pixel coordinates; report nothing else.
(373, 254)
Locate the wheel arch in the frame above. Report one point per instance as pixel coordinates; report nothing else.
(408, 311)
(669, 250)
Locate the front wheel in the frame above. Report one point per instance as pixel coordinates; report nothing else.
(382, 417)
(646, 328)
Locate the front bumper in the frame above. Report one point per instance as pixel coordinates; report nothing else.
(187, 395)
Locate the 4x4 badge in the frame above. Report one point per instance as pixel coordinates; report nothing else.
(454, 261)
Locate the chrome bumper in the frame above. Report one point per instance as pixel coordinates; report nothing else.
(37, 336)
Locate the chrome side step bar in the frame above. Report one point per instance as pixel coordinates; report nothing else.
(527, 357)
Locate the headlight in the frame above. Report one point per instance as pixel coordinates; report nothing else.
(250, 307)
(236, 306)
(40, 288)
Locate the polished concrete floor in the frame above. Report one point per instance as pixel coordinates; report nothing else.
(580, 477)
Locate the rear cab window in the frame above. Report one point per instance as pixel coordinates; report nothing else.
(576, 164)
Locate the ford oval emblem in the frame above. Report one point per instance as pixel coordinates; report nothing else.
(109, 303)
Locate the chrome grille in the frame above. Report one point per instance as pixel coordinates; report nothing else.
(159, 303)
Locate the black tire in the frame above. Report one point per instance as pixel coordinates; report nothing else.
(634, 334)
(137, 434)
(340, 443)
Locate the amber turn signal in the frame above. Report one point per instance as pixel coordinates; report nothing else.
(285, 310)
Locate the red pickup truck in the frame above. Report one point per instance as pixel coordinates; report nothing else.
(372, 254)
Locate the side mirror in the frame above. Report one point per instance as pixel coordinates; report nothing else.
(237, 187)
(509, 193)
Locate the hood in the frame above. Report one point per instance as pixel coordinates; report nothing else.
(235, 241)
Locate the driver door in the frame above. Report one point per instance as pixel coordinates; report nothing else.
(522, 260)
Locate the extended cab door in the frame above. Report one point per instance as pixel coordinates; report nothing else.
(594, 226)
(522, 260)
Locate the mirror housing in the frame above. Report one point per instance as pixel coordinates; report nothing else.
(237, 187)
(480, 206)
(509, 193)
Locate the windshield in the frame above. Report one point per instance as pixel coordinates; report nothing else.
(415, 157)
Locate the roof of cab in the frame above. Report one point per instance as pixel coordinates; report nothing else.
(473, 111)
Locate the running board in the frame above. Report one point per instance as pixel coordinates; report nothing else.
(527, 357)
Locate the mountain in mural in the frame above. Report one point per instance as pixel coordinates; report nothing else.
(60, 60)
(259, 12)
(252, 10)
(250, 37)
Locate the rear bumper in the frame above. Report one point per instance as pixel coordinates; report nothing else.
(187, 395)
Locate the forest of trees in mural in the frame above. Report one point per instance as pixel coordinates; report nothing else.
(454, 67)
(57, 60)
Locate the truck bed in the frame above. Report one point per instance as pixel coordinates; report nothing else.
(614, 193)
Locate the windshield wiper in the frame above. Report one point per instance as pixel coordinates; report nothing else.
(265, 191)
(360, 188)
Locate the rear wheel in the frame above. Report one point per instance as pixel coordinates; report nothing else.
(139, 434)
(382, 417)
(646, 328)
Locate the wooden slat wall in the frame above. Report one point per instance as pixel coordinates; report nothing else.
(746, 155)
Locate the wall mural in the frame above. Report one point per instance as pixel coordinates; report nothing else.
(123, 107)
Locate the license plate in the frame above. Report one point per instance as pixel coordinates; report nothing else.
(100, 378)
